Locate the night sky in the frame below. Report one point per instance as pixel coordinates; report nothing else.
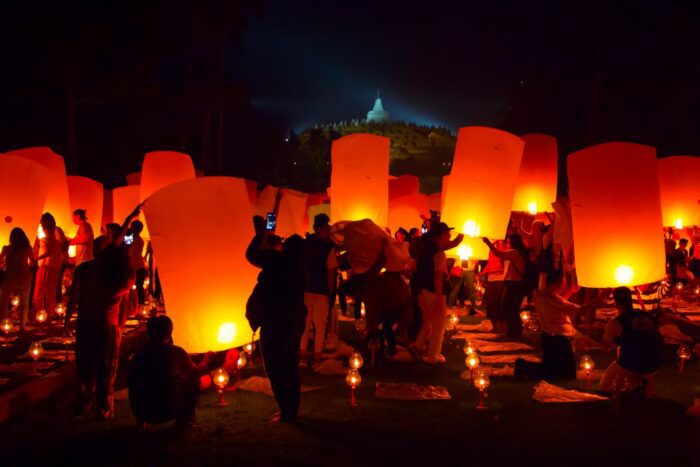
(145, 75)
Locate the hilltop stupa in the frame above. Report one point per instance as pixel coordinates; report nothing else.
(378, 114)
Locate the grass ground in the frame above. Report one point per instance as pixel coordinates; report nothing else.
(514, 431)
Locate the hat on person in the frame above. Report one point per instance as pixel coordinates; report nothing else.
(440, 228)
(321, 220)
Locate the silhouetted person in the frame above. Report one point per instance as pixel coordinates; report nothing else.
(97, 290)
(49, 256)
(276, 306)
(17, 258)
(163, 381)
(84, 238)
(136, 260)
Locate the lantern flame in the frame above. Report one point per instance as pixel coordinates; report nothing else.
(679, 223)
(465, 252)
(41, 316)
(532, 207)
(624, 275)
(471, 229)
(226, 333)
(40, 233)
(71, 251)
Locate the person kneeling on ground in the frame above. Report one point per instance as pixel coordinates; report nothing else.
(163, 380)
(639, 342)
(555, 315)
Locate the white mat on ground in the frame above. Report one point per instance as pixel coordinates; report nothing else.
(551, 394)
(483, 326)
(260, 384)
(487, 346)
(508, 358)
(475, 335)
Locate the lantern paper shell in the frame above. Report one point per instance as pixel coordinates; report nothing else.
(24, 186)
(124, 200)
(57, 200)
(202, 265)
(252, 187)
(679, 184)
(360, 178)
(107, 207)
(86, 193)
(479, 195)
(292, 213)
(443, 193)
(406, 203)
(265, 201)
(616, 213)
(133, 179)
(537, 180)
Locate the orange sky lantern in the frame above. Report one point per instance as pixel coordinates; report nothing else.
(160, 169)
(537, 180)
(124, 200)
(616, 213)
(292, 213)
(434, 202)
(207, 283)
(360, 178)
(57, 200)
(479, 195)
(107, 208)
(133, 178)
(24, 186)
(406, 203)
(443, 193)
(86, 193)
(265, 201)
(252, 187)
(679, 184)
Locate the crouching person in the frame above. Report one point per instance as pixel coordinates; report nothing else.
(163, 380)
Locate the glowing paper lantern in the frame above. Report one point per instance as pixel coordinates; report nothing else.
(679, 184)
(24, 185)
(479, 194)
(537, 181)
(205, 277)
(443, 194)
(57, 200)
(406, 203)
(616, 212)
(107, 208)
(124, 200)
(292, 211)
(266, 201)
(87, 194)
(252, 187)
(434, 202)
(133, 179)
(360, 178)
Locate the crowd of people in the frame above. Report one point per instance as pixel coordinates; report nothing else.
(293, 304)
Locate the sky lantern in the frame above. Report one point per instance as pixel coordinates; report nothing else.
(292, 213)
(24, 186)
(160, 169)
(360, 178)
(406, 203)
(86, 193)
(443, 193)
(252, 187)
(616, 213)
(124, 200)
(57, 200)
(107, 207)
(679, 184)
(265, 201)
(434, 202)
(133, 178)
(536, 189)
(206, 282)
(479, 195)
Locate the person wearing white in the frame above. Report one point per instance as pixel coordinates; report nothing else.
(84, 239)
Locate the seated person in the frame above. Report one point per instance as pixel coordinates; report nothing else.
(636, 333)
(555, 315)
(163, 381)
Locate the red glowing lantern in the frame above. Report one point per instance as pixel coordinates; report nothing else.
(537, 180)
(265, 201)
(206, 282)
(87, 194)
(292, 213)
(57, 200)
(479, 195)
(24, 186)
(107, 207)
(360, 178)
(406, 202)
(679, 185)
(616, 212)
(133, 179)
(124, 200)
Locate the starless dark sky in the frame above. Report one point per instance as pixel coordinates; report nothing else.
(586, 71)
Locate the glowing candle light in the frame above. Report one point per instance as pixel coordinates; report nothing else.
(60, 309)
(684, 353)
(587, 365)
(6, 326)
(71, 251)
(525, 316)
(14, 302)
(220, 378)
(363, 312)
(146, 283)
(481, 381)
(464, 252)
(469, 348)
(41, 316)
(472, 362)
(242, 360)
(615, 225)
(452, 322)
(249, 348)
(356, 361)
(353, 379)
(479, 196)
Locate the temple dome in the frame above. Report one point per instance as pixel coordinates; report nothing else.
(378, 114)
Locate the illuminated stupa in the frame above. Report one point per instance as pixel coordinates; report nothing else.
(378, 114)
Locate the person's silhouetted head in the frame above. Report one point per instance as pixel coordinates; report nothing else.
(683, 243)
(137, 227)
(18, 239)
(623, 299)
(79, 216)
(321, 225)
(293, 248)
(48, 223)
(160, 329)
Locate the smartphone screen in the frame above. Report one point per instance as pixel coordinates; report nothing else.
(424, 228)
(271, 221)
(129, 239)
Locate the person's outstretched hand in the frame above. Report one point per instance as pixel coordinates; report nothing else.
(259, 225)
